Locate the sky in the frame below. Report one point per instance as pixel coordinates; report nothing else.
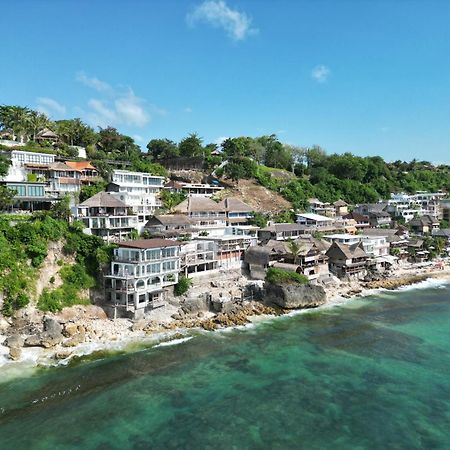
(370, 77)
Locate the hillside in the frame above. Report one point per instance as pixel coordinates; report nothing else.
(258, 197)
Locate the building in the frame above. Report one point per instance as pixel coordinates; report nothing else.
(347, 260)
(230, 248)
(367, 208)
(237, 212)
(198, 257)
(105, 216)
(424, 225)
(379, 219)
(315, 206)
(170, 226)
(341, 208)
(282, 231)
(315, 221)
(205, 214)
(138, 190)
(23, 162)
(193, 189)
(141, 273)
(46, 135)
(361, 222)
(445, 210)
(373, 245)
(88, 173)
(30, 196)
(63, 179)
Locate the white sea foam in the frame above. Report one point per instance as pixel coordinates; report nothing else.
(174, 342)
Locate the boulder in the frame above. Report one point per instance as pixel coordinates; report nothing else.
(195, 305)
(50, 339)
(75, 340)
(295, 296)
(33, 341)
(15, 353)
(70, 329)
(14, 341)
(52, 326)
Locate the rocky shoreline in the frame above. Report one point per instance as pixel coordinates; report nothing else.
(58, 336)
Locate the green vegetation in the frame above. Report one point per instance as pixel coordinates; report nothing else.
(23, 248)
(74, 278)
(171, 199)
(182, 286)
(280, 276)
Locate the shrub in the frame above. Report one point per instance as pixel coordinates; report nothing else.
(280, 276)
(182, 286)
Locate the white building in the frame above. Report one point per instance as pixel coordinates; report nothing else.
(314, 220)
(17, 171)
(138, 190)
(141, 273)
(374, 246)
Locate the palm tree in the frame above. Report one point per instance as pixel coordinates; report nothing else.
(37, 122)
(16, 118)
(294, 248)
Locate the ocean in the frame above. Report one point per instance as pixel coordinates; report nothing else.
(371, 373)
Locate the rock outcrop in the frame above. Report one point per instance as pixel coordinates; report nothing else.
(295, 296)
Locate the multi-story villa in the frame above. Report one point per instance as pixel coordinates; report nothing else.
(88, 173)
(193, 189)
(106, 217)
(315, 221)
(63, 179)
(138, 190)
(347, 260)
(170, 226)
(238, 212)
(205, 213)
(321, 208)
(141, 273)
(198, 257)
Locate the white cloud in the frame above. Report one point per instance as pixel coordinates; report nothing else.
(116, 106)
(138, 138)
(93, 82)
(49, 106)
(320, 73)
(220, 140)
(217, 14)
(130, 110)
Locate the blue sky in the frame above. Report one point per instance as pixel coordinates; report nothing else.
(370, 77)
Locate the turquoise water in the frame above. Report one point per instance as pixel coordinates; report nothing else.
(374, 374)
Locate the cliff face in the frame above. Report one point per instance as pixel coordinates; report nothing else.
(295, 296)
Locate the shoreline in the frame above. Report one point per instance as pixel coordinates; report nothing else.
(122, 335)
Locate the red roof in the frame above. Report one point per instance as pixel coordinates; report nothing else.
(149, 243)
(80, 165)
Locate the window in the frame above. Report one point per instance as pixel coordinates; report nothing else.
(169, 265)
(153, 254)
(153, 268)
(168, 252)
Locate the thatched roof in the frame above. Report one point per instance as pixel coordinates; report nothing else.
(198, 204)
(257, 255)
(103, 200)
(47, 134)
(342, 251)
(286, 266)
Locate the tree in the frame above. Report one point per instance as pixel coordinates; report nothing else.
(6, 198)
(15, 118)
(61, 209)
(37, 122)
(171, 199)
(191, 146)
(276, 155)
(258, 219)
(294, 248)
(90, 190)
(239, 168)
(4, 165)
(75, 132)
(162, 148)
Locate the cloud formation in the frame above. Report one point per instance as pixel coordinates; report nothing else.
(49, 106)
(219, 15)
(320, 73)
(93, 82)
(119, 107)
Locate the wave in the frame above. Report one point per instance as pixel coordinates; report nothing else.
(173, 342)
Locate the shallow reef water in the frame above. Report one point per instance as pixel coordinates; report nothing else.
(367, 375)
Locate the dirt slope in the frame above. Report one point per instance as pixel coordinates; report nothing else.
(257, 196)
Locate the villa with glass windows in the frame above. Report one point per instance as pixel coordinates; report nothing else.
(141, 273)
(138, 190)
